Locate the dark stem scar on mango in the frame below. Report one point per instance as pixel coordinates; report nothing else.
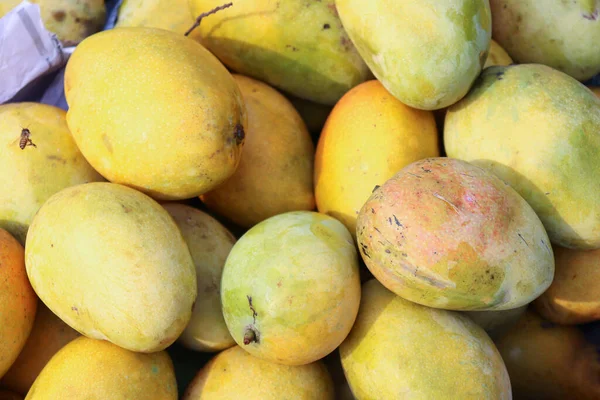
(239, 133)
(251, 334)
(206, 14)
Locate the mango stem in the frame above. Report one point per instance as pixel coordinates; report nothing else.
(206, 14)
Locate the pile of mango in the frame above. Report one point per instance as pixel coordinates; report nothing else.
(307, 200)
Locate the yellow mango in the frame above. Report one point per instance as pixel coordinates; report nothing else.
(209, 243)
(574, 296)
(368, 137)
(427, 53)
(18, 301)
(48, 335)
(399, 349)
(550, 362)
(171, 126)
(95, 369)
(275, 174)
(234, 374)
(537, 129)
(298, 46)
(497, 56)
(111, 262)
(36, 172)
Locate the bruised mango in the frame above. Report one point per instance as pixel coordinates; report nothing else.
(234, 372)
(574, 296)
(561, 34)
(537, 129)
(447, 234)
(95, 369)
(298, 46)
(399, 349)
(291, 288)
(497, 56)
(171, 126)
(367, 138)
(275, 174)
(427, 53)
(52, 163)
(18, 301)
(111, 262)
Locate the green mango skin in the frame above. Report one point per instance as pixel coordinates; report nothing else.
(401, 350)
(538, 129)
(297, 46)
(561, 34)
(427, 53)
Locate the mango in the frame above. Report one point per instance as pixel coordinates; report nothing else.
(298, 46)
(400, 349)
(95, 369)
(291, 288)
(427, 53)
(497, 56)
(172, 126)
(275, 174)
(234, 372)
(40, 170)
(368, 137)
(561, 34)
(48, 335)
(111, 263)
(497, 323)
(313, 114)
(18, 301)
(537, 129)
(209, 243)
(71, 20)
(574, 296)
(447, 234)
(548, 361)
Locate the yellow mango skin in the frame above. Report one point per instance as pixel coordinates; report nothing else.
(18, 301)
(38, 172)
(111, 262)
(537, 129)
(574, 296)
(234, 373)
(561, 34)
(95, 369)
(427, 53)
(368, 137)
(48, 335)
(497, 56)
(275, 174)
(209, 243)
(401, 350)
(299, 270)
(550, 362)
(171, 127)
(497, 323)
(447, 234)
(298, 46)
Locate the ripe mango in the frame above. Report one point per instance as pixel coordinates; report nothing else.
(447, 234)
(298, 46)
(48, 335)
(368, 137)
(561, 34)
(111, 262)
(548, 361)
(427, 53)
(537, 129)
(171, 126)
(574, 296)
(275, 174)
(234, 372)
(497, 56)
(18, 301)
(95, 369)
(209, 243)
(290, 288)
(36, 172)
(399, 349)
